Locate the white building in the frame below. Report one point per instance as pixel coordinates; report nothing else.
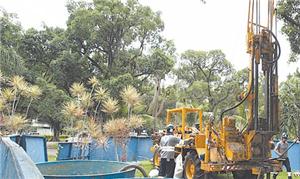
(41, 128)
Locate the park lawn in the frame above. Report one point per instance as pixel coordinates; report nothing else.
(51, 158)
(147, 165)
(52, 151)
(283, 175)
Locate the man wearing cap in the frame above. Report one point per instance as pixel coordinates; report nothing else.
(167, 153)
(281, 151)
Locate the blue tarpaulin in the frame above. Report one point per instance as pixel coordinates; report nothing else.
(34, 146)
(138, 148)
(15, 163)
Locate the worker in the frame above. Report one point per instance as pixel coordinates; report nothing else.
(281, 151)
(167, 153)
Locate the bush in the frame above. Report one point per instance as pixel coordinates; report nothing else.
(48, 137)
(61, 137)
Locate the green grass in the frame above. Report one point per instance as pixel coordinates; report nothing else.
(52, 145)
(52, 148)
(51, 158)
(147, 165)
(283, 175)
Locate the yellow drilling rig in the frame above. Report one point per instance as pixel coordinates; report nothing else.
(247, 152)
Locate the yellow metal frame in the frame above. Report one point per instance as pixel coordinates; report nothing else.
(183, 112)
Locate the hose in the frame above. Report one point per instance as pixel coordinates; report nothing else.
(253, 56)
(278, 45)
(276, 41)
(250, 89)
(141, 169)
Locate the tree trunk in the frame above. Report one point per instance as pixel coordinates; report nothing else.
(56, 131)
(101, 116)
(154, 103)
(27, 110)
(129, 111)
(96, 110)
(116, 149)
(124, 153)
(298, 121)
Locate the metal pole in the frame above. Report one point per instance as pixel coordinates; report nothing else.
(256, 125)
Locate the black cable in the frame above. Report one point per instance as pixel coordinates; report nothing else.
(129, 167)
(253, 56)
(276, 40)
(250, 90)
(279, 48)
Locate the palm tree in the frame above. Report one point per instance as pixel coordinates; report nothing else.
(15, 123)
(69, 109)
(77, 89)
(110, 106)
(20, 86)
(118, 130)
(17, 82)
(131, 97)
(94, 129)
(2, 108)
(8, 94)
(10, 98)
(94, 82)
(100, 95)
(72, 111)
(86, 101)
(135, 122)
(34, 92)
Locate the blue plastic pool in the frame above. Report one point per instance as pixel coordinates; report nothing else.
(84, 169)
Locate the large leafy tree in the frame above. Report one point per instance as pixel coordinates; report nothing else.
(121, 42)
(48, 108)
(290, 105)
(161, 61)
(10, 34)
(111, 35)
(207, 76)
(47, 55)
(40, 48)
(289, 12)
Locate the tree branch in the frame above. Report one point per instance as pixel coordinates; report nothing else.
(91, 60)
(291, 20)
(142, 73)
(141, 48)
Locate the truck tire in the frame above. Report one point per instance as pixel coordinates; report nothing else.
(192, 167)
(247, 174)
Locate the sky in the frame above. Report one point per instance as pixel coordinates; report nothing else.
(218, 24)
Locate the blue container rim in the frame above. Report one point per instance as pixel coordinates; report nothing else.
(84, 161)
